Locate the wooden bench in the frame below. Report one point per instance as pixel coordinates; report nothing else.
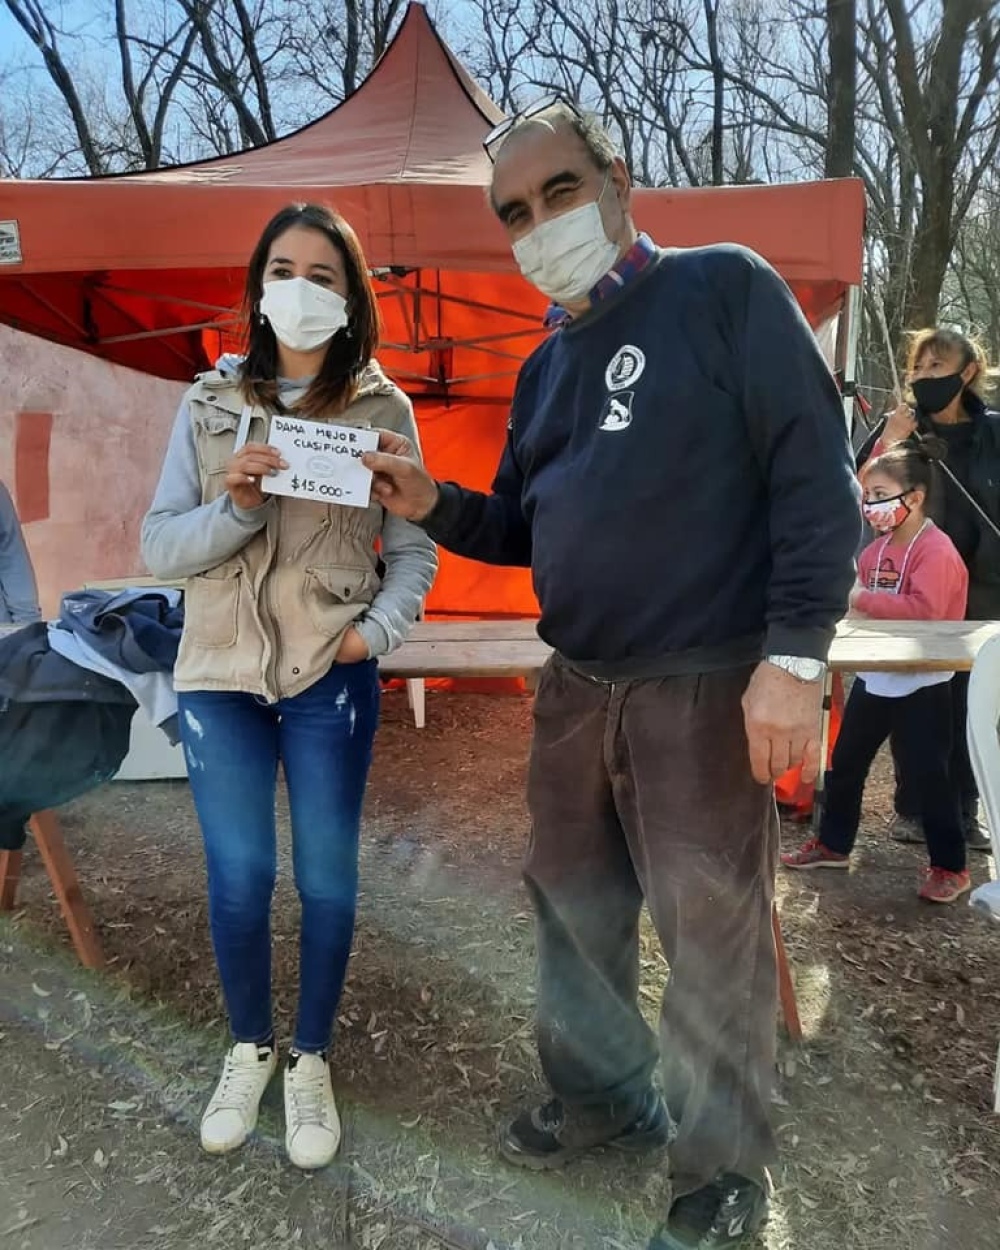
(513, 649)
(46, 831)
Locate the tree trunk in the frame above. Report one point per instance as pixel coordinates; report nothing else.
(718, 91)
(931, 250)
(841, 18)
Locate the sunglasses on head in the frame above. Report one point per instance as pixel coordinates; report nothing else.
(541, 105)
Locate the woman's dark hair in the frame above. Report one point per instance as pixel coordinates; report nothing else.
(910, 464)
(349, 351)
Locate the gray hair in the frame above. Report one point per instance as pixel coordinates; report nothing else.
(599, 144)
(585, 126)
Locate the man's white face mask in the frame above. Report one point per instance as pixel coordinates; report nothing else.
(567, 256)
(303, 315)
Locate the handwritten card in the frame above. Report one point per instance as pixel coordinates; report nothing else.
(324, 461)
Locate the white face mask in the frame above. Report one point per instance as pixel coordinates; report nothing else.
(567, 256)
(303, 315)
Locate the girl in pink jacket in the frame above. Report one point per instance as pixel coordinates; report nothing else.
(912, 571)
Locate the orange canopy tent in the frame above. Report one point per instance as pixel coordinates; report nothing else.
(147, 269)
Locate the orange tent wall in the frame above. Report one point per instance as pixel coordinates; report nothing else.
(463, 442)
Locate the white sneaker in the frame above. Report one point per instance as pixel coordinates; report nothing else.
(231, 1115)
(312, 1125)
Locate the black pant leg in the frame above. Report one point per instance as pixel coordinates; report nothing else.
(905, 800)
(866, 725)
(963, 779)
(922, 727)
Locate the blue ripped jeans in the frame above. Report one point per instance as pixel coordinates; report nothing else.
(233, 743)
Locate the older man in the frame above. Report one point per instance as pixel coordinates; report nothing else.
(678, 477)
(18, 591)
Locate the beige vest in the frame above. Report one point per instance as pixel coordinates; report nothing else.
(269, 620)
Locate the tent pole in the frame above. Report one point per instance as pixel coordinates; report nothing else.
(846, 360)
(846, 352)
(163, 331)
(534, 317)
(52, 308)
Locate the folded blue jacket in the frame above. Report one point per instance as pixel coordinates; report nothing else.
(137, 629)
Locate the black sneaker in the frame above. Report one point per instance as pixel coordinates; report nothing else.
(906, 829)
(977, 834)
(723, 1214)
(551, 1135)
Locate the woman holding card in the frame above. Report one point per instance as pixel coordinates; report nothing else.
(288, 602)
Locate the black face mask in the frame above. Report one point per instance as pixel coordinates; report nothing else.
(935, 394)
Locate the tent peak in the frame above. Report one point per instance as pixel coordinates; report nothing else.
(419, 115)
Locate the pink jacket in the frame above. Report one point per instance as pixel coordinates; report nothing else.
(929, 584)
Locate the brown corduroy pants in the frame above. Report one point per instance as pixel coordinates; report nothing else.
(642, 790)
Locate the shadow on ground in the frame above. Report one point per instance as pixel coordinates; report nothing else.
(888, 1140)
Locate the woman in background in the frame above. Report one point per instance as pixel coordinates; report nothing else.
(950, 380)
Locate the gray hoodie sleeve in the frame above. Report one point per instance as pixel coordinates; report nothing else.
(181, 536)
(410, 565)
(18, 589)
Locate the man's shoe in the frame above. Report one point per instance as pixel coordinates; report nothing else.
(942, 886)
(551, 1135)
(903, 829)
(813, 854)
(723, 1214)
(231, 1114)
(312, 1125)
(977, 833)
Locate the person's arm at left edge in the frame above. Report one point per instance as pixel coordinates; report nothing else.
(796, 421)
(18, 588)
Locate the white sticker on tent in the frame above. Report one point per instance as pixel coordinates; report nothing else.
(324, 461)
(10, 243)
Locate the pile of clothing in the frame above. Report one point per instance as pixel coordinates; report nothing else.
(69, 690)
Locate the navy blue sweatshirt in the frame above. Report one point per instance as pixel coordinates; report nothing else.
(677, 475)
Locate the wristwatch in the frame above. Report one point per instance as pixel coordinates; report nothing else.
(801, 667)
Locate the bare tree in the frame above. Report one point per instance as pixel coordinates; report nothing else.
(632, 63)
(333, 46)
(841, 24)
(230, 41)
(925, 117)
(951, 119)
(30, 15)
(971, 292)
(152, 91)
(111, 133)
(501, 48)
(151, 82)
(718, 73)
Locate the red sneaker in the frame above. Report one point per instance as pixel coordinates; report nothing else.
(813, 854)
(942, 886)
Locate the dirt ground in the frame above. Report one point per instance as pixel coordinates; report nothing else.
(885, 1111)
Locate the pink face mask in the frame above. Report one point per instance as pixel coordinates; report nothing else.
(886, 515)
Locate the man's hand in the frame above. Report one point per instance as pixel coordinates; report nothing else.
(401, 484)
(782, 718)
